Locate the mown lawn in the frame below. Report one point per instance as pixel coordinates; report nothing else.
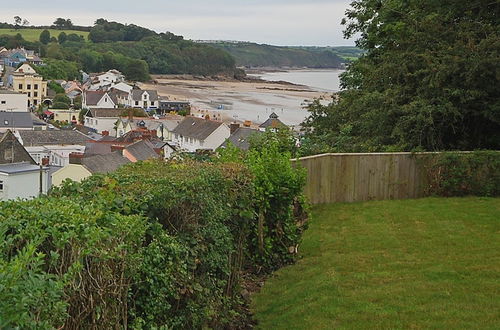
(34, 34)
(427, 263)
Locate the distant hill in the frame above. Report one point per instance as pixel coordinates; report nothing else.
(260, 55)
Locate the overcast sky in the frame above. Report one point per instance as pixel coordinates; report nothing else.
(277, 22)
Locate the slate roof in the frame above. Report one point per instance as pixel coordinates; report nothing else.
(240, 138)
(197, 128)
(142, 150)
(93, 97)
(105, 113)
(272, 122)
(19, 168)
(104, 163)
(11, 150)
(137, 94)
(16, 120)
(52, 137)
(93, 148)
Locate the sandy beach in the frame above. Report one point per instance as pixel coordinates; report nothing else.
(237, 101)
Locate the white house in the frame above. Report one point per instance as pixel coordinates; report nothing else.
(146, 99)
(22, 180)
(101, 120)
(97, 99)
(13, 101)
(106, 79)
(121, 86)
(54, 145)
(19, 175)
(194, 133)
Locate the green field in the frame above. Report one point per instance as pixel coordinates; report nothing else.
(427, 263)
(34, 34)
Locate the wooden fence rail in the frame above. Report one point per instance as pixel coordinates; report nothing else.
(363, 176)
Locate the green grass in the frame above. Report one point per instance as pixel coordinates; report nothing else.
(427, 263)
(34, 34)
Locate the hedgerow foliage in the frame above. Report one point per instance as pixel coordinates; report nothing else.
(152, 245)
(463, 174)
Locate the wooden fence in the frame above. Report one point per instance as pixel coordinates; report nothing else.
(363, 176)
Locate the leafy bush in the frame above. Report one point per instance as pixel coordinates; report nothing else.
(151, 245)
(462, 174)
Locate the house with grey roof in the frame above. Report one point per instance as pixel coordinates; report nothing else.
(53, 145)
(140, 150)
(97, 99)
(102, 119)
(195, 133)
(241, 137)
(20, 177)
(18, 121)
(146, 99)
(272, 123)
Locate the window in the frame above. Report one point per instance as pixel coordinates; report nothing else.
(35, 102)
(35, 94)
(35, 86)
(28, 86)
(136, 102)
(3, 102)
(1, 185)
(29, 94)
(20, 86)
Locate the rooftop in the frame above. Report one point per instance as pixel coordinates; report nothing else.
(197, 128)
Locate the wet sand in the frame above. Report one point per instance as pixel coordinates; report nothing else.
(239, 100)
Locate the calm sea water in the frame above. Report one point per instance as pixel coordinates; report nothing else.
(321, 80)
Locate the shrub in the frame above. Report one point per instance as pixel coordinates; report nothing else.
(461, 174)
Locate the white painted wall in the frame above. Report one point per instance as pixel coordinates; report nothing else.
(213, 141)
(16, 102)
(23, 185)
(101, 124)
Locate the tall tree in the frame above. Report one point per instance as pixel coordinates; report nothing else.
(17, 21)
(45, 37)
(429, 79)
(60, 23)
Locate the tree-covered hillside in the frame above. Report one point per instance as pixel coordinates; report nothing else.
(134, 50)
(256, 55)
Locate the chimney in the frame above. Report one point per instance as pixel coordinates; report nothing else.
(116, 148)
(233, 127)
(105, 133)
(247, 123)
(45, 161)
(207, 117)
(76, 158)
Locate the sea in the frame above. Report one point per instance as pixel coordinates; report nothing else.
(257, 106)
(320, 80)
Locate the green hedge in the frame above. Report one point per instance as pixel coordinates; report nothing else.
(461, 174)
(154, 244)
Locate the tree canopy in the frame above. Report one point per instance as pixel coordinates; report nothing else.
(428, 79)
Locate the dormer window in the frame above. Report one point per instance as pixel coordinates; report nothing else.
(6, 122)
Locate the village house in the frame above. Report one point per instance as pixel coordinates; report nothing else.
(53, 145)
(163, 126)
(81, 167)
(20, 177)
(194, 133)
(25, 80)
(272, 123)
(104, 80)
(13, 101)
(146, 99)
(102, 120)
(240, 137)
(97, 99)
(17, 121)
